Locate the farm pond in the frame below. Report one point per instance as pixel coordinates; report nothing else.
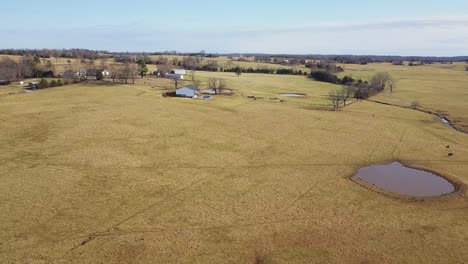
(293, 94)
(396, 178)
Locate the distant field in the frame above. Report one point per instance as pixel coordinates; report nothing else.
(442, 88)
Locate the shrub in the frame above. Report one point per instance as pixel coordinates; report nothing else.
(414, 105)
(53, 83)
(347, 79)
(43, 84)
(59, 82)
(100, 76)
(324, 76)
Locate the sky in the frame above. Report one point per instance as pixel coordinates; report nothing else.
(393, 27)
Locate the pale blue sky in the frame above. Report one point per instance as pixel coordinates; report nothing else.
(314, 27)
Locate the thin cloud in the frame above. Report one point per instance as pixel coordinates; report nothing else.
(443, 36)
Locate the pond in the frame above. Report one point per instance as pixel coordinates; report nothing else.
(396, 178)
(293, 94)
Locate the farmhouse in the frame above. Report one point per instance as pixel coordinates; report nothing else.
(187, 91)
(94, 72)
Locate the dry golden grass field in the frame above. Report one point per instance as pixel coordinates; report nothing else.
(102, 173)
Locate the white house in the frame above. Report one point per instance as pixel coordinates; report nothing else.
(187, 91)
(105, 73)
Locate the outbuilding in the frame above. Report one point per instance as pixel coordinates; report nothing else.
(179, 71)
(74, 74)
(174, 76)
(189, 91)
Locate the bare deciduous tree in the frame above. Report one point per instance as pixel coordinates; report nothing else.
(379, 81)
(115, 70)
(25, 67)
(163, 69)
(103, 63)
(346, 92)
(217, 85)
(128, 71)
(8, 69)
(392, 84)
(335, 98)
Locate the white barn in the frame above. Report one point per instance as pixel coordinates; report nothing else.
(187, 91)
(179, 71)
(174, 76)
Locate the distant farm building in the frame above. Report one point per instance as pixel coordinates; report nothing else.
(92, 72)
(178, 71)
(174, 76)
(74, 74)
(188, 91)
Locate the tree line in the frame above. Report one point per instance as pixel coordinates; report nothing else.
(57, 53)
(26, 67)
(43, 83)
(360, 89)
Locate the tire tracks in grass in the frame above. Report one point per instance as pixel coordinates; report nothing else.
(93, 236)
(399, 142)
(109, 231)
(300, 197)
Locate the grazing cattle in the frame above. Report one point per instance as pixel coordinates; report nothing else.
(450, 154)
(448, 146)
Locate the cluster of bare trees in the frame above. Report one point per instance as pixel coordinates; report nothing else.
(324, 65)
(341, 96)
(26, 67)
(192, 62)
(125, 72)
(217, 85)
(362, 90)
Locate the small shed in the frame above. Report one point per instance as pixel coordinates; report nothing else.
(187, 91)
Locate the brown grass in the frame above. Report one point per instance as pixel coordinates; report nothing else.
(116, 173)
